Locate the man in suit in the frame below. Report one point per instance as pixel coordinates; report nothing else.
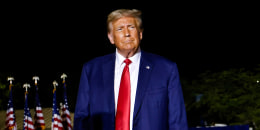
(156, 99)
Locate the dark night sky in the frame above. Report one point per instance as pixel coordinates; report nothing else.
(47, 40)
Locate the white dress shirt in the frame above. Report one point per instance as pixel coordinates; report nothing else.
(133, 70)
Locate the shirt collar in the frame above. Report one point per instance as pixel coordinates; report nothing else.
(135, 58)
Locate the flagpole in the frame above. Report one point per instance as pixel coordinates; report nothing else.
(35, 78)
(55, 84)
(10, 114)
(63, 77)
(10, 79)
(53, 125)
(38, 116)
(26, 86)
(56, 119)
(65, 108)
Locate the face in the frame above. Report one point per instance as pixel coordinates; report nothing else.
(126, 36)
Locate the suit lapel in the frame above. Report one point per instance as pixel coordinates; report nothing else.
(145, 70)
(108, 76)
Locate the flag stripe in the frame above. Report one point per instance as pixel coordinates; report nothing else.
(66, 119)
(39, 119)
(10, 122)
(56, 119)
(28, 122)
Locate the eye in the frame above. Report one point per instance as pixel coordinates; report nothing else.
(119, 29)
(132, 26)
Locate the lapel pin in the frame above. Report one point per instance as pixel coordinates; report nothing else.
(147, 67)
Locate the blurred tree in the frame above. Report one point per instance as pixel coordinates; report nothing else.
(230, 96)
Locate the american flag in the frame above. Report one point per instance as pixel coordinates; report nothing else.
(65, 115)
(39, 123)
(27, 121)
(56, 119)
(10, 122)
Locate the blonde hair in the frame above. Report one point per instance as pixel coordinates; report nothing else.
(119, 13)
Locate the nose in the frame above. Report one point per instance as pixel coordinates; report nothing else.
(127, 33)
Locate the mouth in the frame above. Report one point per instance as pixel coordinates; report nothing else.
(128, 41)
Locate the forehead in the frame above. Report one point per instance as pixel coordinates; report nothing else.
(125, 21)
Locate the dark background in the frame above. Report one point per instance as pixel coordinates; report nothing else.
(48, 39)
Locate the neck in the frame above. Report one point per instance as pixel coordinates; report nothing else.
(128, 54)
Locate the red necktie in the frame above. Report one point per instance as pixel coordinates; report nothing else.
(123, 105)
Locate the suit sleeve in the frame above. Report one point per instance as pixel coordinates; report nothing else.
(177, 112)
(81, 114)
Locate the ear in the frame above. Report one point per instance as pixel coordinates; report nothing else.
(141, 35)
(110, 37)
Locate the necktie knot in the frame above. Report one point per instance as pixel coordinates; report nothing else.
(127, 61)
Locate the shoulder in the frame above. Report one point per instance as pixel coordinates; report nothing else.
(157, 59)
(160, 64)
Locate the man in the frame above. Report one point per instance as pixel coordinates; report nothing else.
(156, 100)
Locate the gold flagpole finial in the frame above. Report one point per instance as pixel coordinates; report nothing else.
(35, 78)
(55, 83)
(10, 79)
(63, 77)
(26, 86)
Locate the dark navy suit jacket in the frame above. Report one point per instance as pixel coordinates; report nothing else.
(159, 103)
